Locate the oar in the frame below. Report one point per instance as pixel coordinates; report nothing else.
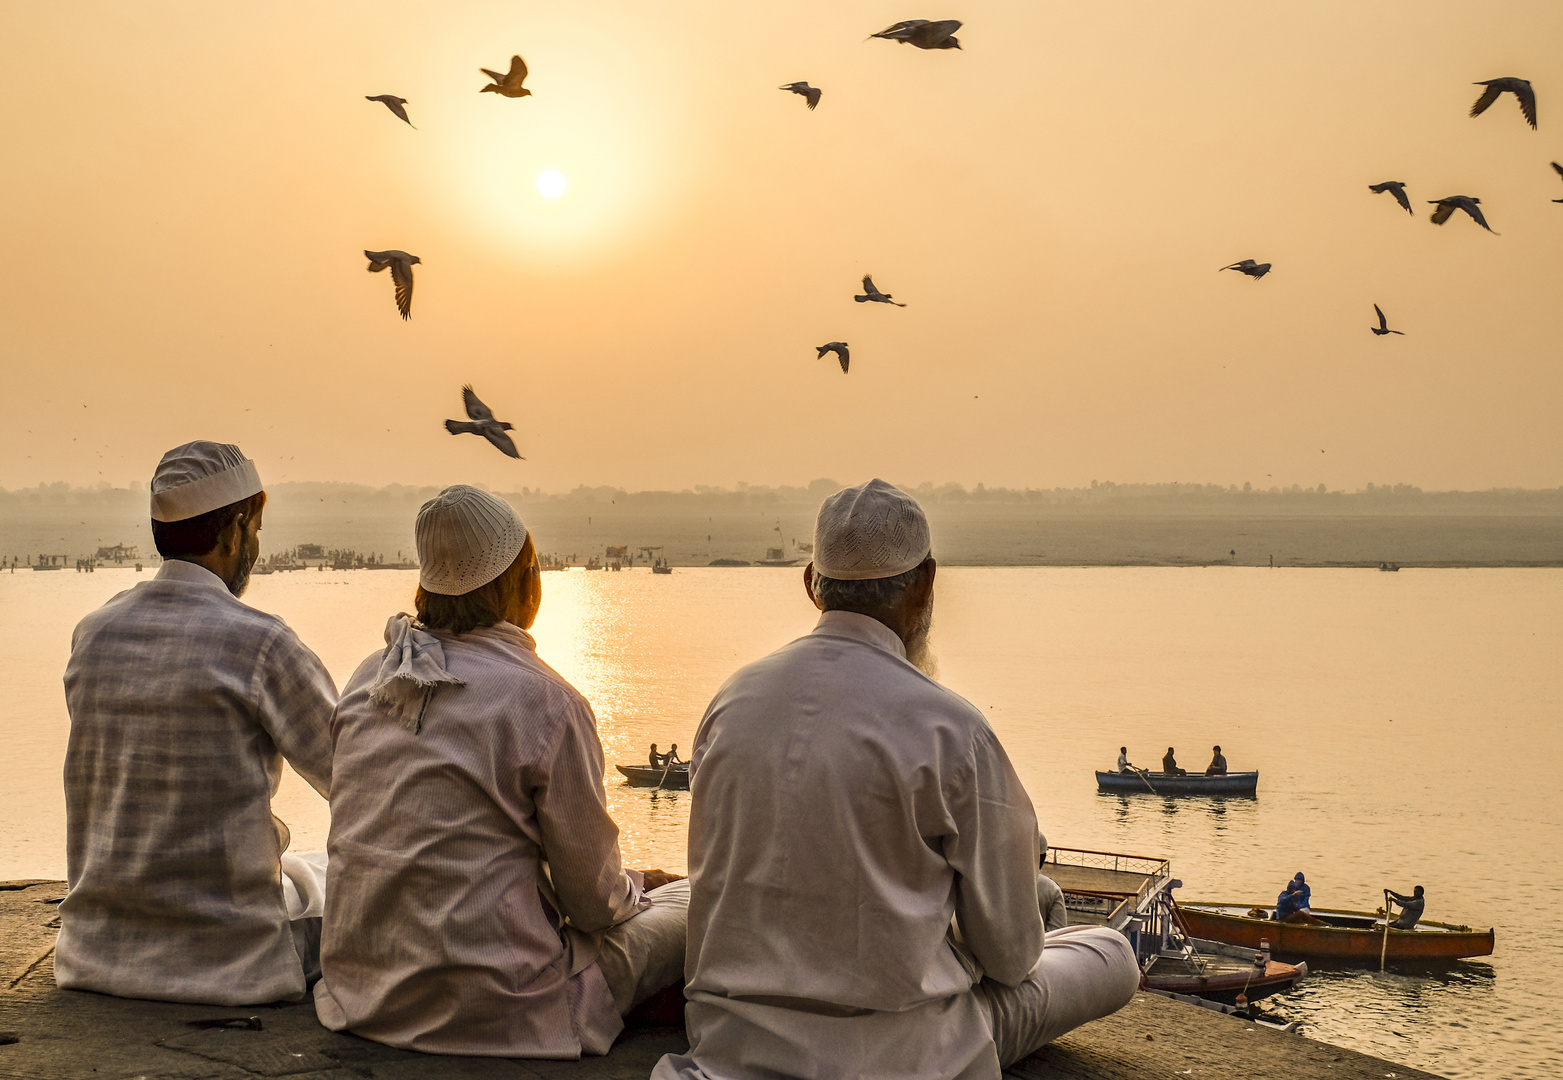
(664, 779)
(1384, 949)
(1144, 776)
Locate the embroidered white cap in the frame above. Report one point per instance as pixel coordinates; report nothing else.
(466, 538)
(874, 530)
(200, 477)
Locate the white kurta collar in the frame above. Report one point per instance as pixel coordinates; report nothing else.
(864, 628)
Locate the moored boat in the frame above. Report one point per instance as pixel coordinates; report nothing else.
(1341, 936)
(1156, 783)
(1221, 978)
(673, 777)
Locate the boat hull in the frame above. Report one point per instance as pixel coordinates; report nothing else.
(1347, 944)
(1132, 783)
(674, 779)
(1226, 985)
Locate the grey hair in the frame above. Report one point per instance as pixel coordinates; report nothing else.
(870, 595)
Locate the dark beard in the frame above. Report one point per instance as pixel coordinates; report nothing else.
(241, 574)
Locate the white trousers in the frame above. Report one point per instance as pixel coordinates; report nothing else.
(1086, 973)
(645, 954)
(304, 890)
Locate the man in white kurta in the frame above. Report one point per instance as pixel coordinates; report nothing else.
(184, 704)
(477, 903)
(863, 858)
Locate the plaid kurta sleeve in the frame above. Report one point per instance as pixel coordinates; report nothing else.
(294, 698)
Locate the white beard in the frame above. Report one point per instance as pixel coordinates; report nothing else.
(919, 653)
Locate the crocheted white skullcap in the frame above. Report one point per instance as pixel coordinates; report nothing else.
(200, 477)
(874, 530)
(466, 538)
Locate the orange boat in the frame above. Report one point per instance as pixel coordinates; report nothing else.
(1353, 937)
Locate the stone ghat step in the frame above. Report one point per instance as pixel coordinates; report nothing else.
(52, 1034)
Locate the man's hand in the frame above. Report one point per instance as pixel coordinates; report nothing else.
(655, 879)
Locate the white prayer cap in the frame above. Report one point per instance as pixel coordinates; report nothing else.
(200, 477)
(466, 539)
(874, 530)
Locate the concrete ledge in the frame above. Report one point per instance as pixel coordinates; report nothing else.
(69, 1035)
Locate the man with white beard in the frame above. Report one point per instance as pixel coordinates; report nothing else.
(863, 858)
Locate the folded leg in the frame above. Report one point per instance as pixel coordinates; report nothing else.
(645, 954)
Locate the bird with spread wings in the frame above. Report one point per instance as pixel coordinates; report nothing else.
(1383, 324)
(1520, 88)
(1397, 188)
(923, 33)
(840, 349)
(394, 103)
(483, 423)
(508, 84)
(400, 264)
(804, 90)
(873, 295)
(1450, 203)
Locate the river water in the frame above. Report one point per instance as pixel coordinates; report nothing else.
(1406, 728)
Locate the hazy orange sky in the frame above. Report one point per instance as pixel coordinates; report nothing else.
(189, 186)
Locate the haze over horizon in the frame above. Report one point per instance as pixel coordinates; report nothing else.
(191, 187)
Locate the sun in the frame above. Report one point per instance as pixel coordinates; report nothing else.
(550, 183)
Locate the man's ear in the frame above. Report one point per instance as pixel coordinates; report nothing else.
(808, 586)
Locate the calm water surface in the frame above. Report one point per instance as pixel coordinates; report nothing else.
(1406, 727)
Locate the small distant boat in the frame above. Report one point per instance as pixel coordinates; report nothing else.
(1157, 783)
(670, 778)
(1340, 935)
(775, 557)
(1389, 567)
(661, 567)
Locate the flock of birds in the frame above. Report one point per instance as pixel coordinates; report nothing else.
(919, 33)
(927, 34)
(1445, 207)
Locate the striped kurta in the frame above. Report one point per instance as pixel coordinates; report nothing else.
(184, 704)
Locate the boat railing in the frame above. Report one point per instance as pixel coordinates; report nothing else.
(1118, 862)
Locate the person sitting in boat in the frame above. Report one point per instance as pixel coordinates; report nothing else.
(1288, 903)
(1123, 760)
(184, 703)
(671, 757)
(1305, 894)
(656, 758)
(909, 816)
(1411, 908)
(1218, 764)
(1169, 764)
(478, 904)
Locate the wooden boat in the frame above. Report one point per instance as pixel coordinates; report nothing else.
(1157, 783)
(1221, 978)
(1340, 935)
(674, 778)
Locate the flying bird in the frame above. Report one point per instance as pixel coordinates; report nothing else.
(874, 294)
(401, 265)
(1449, 204)
(1249, 267)
(394, 103)
(1559, 170)
(923, 33)
(1397, 188)
(510, 82)
(1508, 85)
(1383, 324)
(803, 89)
(837, 347)
(483, 423)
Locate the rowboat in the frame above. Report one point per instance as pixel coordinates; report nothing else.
(1221, 978)
(1158, 783)
(1341, 936)
(674, 778)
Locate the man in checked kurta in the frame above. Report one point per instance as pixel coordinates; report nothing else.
(477, 903)
(184, 703)
(862, 856)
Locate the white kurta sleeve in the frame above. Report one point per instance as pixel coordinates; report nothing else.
(580, 840)
(995, 853)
